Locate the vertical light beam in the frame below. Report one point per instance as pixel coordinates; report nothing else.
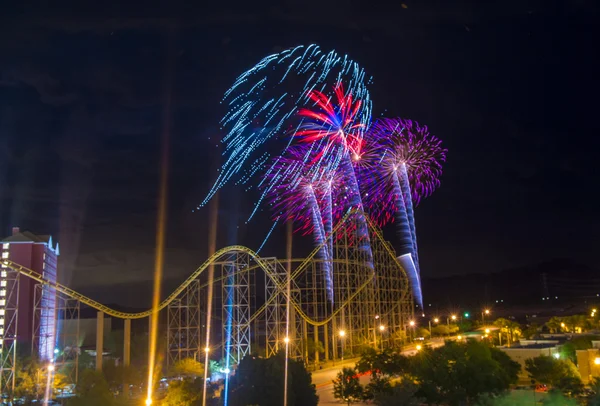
(160, 225)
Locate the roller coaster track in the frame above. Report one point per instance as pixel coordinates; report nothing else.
(215, 260)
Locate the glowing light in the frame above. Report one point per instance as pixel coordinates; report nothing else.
(206, 350)
(342, 333)
(286, 340)
(50, 367)
(381, 327)
(597, 361)
(148, 402)
(227, 371)
(453, 317)
(418, 347)
(436, 320)
(411, 323)
(487, 311)
(459, 338)
(556, 355)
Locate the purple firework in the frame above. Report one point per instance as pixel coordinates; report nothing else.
(300, 191)
(396, 146)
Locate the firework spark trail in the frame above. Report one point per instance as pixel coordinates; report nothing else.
(404, 164)
(264, 101)
(298, 192)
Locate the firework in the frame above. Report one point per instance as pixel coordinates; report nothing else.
(264, 102)
(402, 164)
(304, 193)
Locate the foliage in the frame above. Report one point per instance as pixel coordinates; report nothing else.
(459, 372)
(346, 386)
(509, 330)
(445, 329)
(553, 325)
(31, 379)
(259, 381)
(423, 332)
(314, 347)
(561, 374)
(530, 331)
(386, 362)
(378, 385)
(188, 392)
(187, 367)
(465, 325)
(92, 390)
(116, 376)
(401, 394)
(594, 400)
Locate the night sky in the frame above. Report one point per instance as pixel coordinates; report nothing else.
(511, 88)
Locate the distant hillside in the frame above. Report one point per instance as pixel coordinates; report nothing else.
(562, 278)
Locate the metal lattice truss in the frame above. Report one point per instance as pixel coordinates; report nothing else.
(372, 302)
(9, 299)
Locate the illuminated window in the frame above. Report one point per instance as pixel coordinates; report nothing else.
(3, 284)
(2, 302)
(1, 331)
(2, 292)
(5, 255)
(5, 246)
(3, 265)
(1, 312)
(3, 274)
(2, 322)
(44, 265)
(44, 256)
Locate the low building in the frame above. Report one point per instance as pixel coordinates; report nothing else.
(520, 353)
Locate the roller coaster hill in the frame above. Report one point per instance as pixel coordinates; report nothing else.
(372, 305)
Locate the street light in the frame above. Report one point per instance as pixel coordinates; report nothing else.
(484, 313)
(411, 323)
(342, 335)
(148, 402)
(286, 340)
(418, 347)
(436, 320)
(206, 350)
(459, 338)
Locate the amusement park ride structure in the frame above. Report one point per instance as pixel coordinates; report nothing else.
(372, 305)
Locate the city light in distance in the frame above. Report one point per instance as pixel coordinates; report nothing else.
(436, 320)
(487, 331)
(381, 327)
(418, 347)
(342, 333)
(411, 323)
(453, 317)
(487, 311)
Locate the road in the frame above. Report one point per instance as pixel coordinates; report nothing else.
(324, 377)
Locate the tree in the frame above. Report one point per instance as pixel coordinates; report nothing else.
(561, 374)
(187, 367)
(259, 381)
(553, 325)
(509, 329)
(423, 332)
(378, 385)
(346, 386)
(92, 390)
(445, 330)
(404, 393)
(188, 392)
(462, 372)
(531, 331)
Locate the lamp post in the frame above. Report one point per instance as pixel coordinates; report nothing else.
(342, 335)
(484, 313)
(436, 321)
(412, 330)
(381, 329)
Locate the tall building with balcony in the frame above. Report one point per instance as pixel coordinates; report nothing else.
(36, 314)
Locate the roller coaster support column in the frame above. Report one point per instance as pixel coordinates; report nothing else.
(99, 340)
(127, 342)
